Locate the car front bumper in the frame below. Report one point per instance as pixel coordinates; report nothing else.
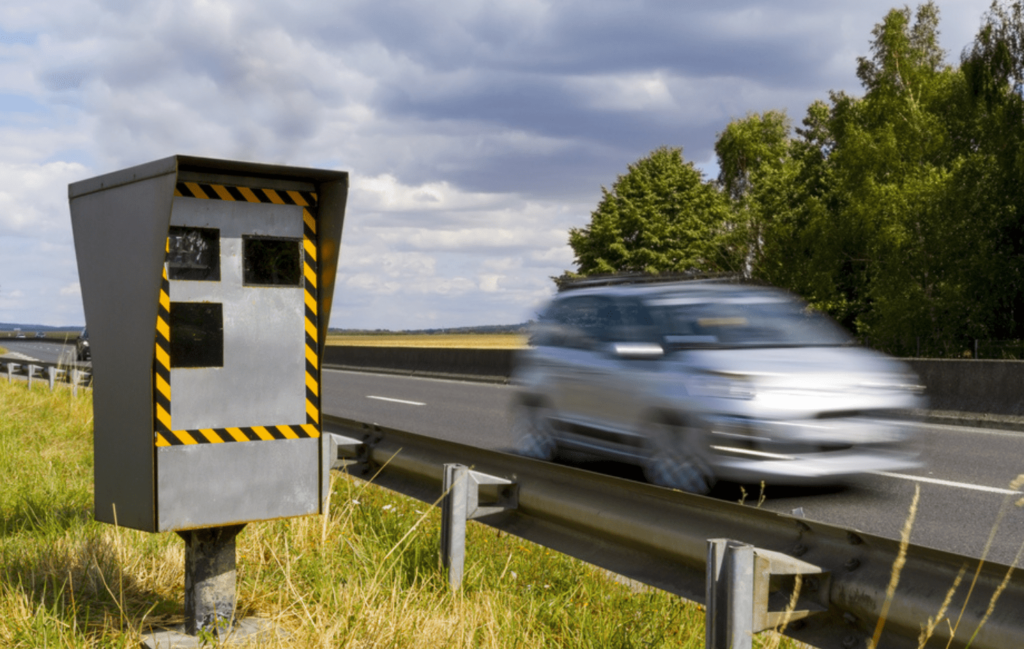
(813, 451)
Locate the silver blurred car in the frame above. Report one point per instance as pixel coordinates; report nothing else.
(703, 379)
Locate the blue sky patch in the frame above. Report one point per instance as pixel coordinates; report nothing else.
(17, 38)
(11, 103)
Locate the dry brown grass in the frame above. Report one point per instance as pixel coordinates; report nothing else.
(451, 341)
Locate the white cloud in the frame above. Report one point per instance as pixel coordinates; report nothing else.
(476, 133)
(630, 92)
(489, 283)
(33, 197)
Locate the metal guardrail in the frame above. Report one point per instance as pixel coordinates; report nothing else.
(52, 373)
(661, 538)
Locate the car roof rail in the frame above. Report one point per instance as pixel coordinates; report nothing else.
(567, 282)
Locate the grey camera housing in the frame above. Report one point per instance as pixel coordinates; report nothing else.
(207, 286)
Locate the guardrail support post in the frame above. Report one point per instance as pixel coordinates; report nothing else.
(30, 369)
(741, 599)
(461, 502)
(51, 372)
(10, 372)
(210, 579)
(729, 595)
(74, 381)
(453, 521)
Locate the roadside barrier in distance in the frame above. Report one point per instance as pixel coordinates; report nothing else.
(52, 373)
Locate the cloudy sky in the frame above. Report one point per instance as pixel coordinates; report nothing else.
(476, 132)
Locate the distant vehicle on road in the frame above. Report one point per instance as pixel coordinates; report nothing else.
(705, 379)
(20, 334)
(82, 350)
(40, 334)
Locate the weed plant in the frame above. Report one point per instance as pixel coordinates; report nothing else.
(364, 576)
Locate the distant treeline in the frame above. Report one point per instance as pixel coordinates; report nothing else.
(10, 326)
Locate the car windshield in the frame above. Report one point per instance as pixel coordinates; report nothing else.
(744, 321)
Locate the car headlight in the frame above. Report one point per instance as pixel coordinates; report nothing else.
(908, 383)
(733, 386)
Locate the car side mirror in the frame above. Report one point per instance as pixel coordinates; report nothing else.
(638, 351)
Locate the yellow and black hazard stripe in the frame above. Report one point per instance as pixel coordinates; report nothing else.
(312, 344)
(242, 434)
(162, 360)
(162, 373)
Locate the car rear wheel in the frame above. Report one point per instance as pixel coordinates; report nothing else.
(531, 426)
(675, 458)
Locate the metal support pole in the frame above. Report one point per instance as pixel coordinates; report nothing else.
(10, 372)
(729, 595)
(210, 579)
(31, 368)
(74, 381)
(453, 521)
(51, 372)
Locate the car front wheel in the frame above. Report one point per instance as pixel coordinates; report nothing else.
(675, 458)
(532, 429)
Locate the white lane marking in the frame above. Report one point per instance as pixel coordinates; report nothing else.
(479, 384)
(947, 483)
(18, 356)
(408, 403)
(998, 432)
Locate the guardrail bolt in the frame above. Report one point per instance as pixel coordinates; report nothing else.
(852, 564)
(800, 550)
(850, 618)
(850, 641)
(853, 538)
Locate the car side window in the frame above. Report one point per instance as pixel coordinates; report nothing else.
(578, 322)
(635, 324)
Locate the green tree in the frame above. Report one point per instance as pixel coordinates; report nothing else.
(890, 161)
(991, 180)
(851, 213)
(660, 216)
(752, 155)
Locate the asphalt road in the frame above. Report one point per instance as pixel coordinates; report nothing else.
(964, 481)
(41, 351)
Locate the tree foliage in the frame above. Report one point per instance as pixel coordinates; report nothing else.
(899, 211)
(660, 216)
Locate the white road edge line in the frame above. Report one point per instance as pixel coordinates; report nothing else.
(408, 403)
(1001, 432)
(947, 483)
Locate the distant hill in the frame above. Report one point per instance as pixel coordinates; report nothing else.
(9, 326)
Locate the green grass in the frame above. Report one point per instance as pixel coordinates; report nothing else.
(365, 575)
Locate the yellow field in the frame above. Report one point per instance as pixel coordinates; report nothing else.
(459, 341)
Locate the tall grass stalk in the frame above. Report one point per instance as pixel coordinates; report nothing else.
(1015, 485)
(365, 575)
(897, 566)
